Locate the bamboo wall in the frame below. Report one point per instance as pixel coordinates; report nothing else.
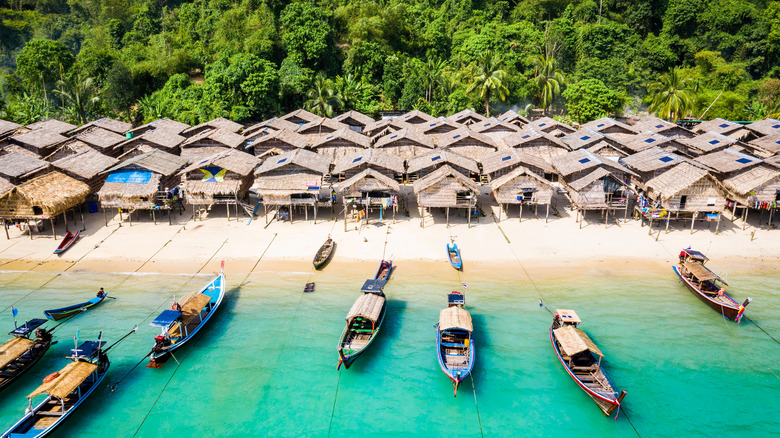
(508, 193)
(769, 192)
(442, 194)
(701, 196)
(592, 196)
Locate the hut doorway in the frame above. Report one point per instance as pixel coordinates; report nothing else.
(37, 210)
(683, 201)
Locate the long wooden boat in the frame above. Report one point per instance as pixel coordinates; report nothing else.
(324, 254)
(364, 321)
(66, 390)
(22, 352)
(707, 285)
(384, 271)
(64, 312)
(185, 319)
(453, 254)
(582, 360)
(66, 243)
(454, 340)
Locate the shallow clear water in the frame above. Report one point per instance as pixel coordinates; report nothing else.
(267, 363)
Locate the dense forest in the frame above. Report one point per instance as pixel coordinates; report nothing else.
(247, 60)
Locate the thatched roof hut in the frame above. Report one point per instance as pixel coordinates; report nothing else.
(663, 127)
(505, 161)
(369, 179)
(300, 117)
(765, 127)
(163, 138)
(385, 126)
(438, 126)
(377, 159)
(40, 141)
(7, 128)
(43, 197)
(406, 143)
(724, 127)
(337, 144)
(322, 125)
(5, 186)
(421, 166)
(224, 178)
(765, 146)
(137, 182)
(586, 137)
(446, 187)
(267, 127)
(18, 167)
(467, 143)
(707, 142)
(366, 182)
(197, 154)
(646, 140)
(71, 147)
(86, 167)
(52, 125)
(220, 123)
(687, 188)
(608, 125)
(208, 142)
(466, 117)
(163, 124)
(550, 126)
(522, 186)
(416, 117)
(112, 125)
(494, 128)
(756, 187)
(101, 139)
(598, 189)
(283, 140)
(513, 118)
(537, 143)
(293, 178)
(577, 164)
(355, 120)
(727, 161)
(650, 163)
(607, 150)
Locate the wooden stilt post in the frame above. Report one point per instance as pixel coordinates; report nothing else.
(734, 212)
(227, 208)
(83, 224)
(769, 224)
(306, 213)
(520, 216)
(345, 216)
(105, 216)
(448, 216)
(291, 214)
(693, 219)
(668, 216)
(265, 212)
(581, 215)
(130, 217)
(536, 211)
(650, 224)
(469, 223)
(120, 215)
(53, 231)
(422, 219)
(606, 218)
(30, 229)
(5, 225)
(154, 217)
(717, 224)
(547, 214)
(744, 221)
(65, 215)
(499, 211)
(315, 212)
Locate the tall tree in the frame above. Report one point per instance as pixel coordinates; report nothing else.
(432, 75)
(41, 62)
(348, 90)
(79, 95)
(488, 76)
(671, 97)
(321, 98)
(549, 79)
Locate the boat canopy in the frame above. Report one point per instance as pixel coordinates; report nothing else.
(28, 327)
(367, 306)
(569, 316)
(455, 317)
(67, 381)
(574, 340)
(166, 318)
(373, 285)
(701, 272)
(696, 255)
(86, 349)
(14, 348)
(196, 304)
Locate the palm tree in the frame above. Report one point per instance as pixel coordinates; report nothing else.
(348, 90)
(671, 97)
(549, 78)
(79, 95)
(432, 75)
(487, 76)
(322, 97)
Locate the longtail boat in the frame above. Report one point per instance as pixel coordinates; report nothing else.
(582, 360)
(364, 321)
(384, 271)
(707, 285)
(21, 352)
(185, 318)
(454, 340)
(324, 254)
(66, 243)
(64, 312)
(66, 390)
(453, 254)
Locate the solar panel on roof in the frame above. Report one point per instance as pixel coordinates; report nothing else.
(542, 124)
(744, 160)
(777, 142)
(507, 158)
(599, 126)
(393, 136)
(328, 137)
(714, 141)
(775, 126)
(525, 136)
(486, 124)
(659, 126)
(432, 124)
(723, 125)
(584, 160)
(666, 159)
(438, 157)
(456, 136)
(281, 161)
(357, 159)
(585, 138)
(650, 140)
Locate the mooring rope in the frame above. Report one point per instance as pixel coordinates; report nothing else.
(625, 414)
(333, 408)
(160, 394)
(479, 417)
(762, 329)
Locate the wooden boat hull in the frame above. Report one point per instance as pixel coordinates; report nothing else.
(384, 271)
(348, 359)
(606, 404)
(30, 418)
(320, 263)
(67, 242)
(28, 359)
(453, 255)
(730, 312)
(64, 312)
(157, 359)
(456, 378)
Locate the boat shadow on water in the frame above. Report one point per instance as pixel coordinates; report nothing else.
(383, 345)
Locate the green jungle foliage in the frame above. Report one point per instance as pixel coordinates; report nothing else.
(247, 60)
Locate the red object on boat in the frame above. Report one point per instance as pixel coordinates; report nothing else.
(67, 242)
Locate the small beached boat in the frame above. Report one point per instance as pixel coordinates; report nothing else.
(186, 317)
(364, 321)
(707, 285)
(324, 254)
(66, 390)
(384, 271)
(453, 254)
(66, 243)
(64, 312)
(21, 352)
(454, 340)
(582, 360)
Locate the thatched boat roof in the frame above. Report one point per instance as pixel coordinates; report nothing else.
(112, 125)
(438, 126)
(529, 134)
(466, 117)
(765, 127)
(727, 160)
(7, 128)
(513, 117)
(441, 173)
(342, 135)
(745, 182)
(300, 114)
(13, 348)
(5, 186)
(371, 157)
(233, 160)
(285, 135)
(409, 134)
(463, 136)
(55, 191)
(769, 143)
(583, 138)
(652, 159)
(721, 126)
(605, 123)
(38, 138)
(165, 124)
(218, 123)
(222, 136)
(156, 161)
(100, 138)
(18, 165)
(307, 159)
(455, 318)
(439, 157)
(581, 159)
(354, 118)
(127, 191)
(513, 157)
(69, 378)
(52, 125)
(676, 179)
(269, 126)
(547, 124)
(708, 142)
(518, 171)
(416, 117)
(85, 164)
(383, 182)
(368, 305)
(573, 341)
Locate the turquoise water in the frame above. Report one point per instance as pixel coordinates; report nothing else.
(267, 363)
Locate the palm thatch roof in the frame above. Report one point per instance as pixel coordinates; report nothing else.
(268, 126)
(300, 157)
(606, 149)
(606, 123)
(660, 126)
(162, 137)
(743, 183)
(13, 348)
(455, 318)
(164, 124)
(581, 159)
(71, 147)
(441, 173)
(721, 126)
(52, 125)
(221, 136)
(765, 127)
(727, 161)
(85, 164)
(573, 341)
(583, 138)
(7, 128)
(494, 128)
(354, 118)
(299, 114)
(644, 140)
(676, 179)
(466, 117)
(382, 126)
(511, 158)
(5, 186)
(20, 150)
(440, 157)
(130, 195)
(372, 157)
(233, 160)
(416, 117)
(54, 192)
(367, 306)
(67, 380)
(342, 135)
(408, 134)
(100, 138)
(529, 134)
(15, 165)
(287, 136)
(547, 124)
(652, 159)
(218, 123)
(773, 161)
(156, 161)
(513, 118)
(322, 125)
(438, 126)
(38, 139)
(378, 181)
(112, 125)
(592, 177)
(463, 136)
(707, 142)
(502, 180)
(194, 155)
(770, 144)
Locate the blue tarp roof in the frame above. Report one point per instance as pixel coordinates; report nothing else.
(86, 349)
(130, 176)
(166, 318)
(28, 327)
